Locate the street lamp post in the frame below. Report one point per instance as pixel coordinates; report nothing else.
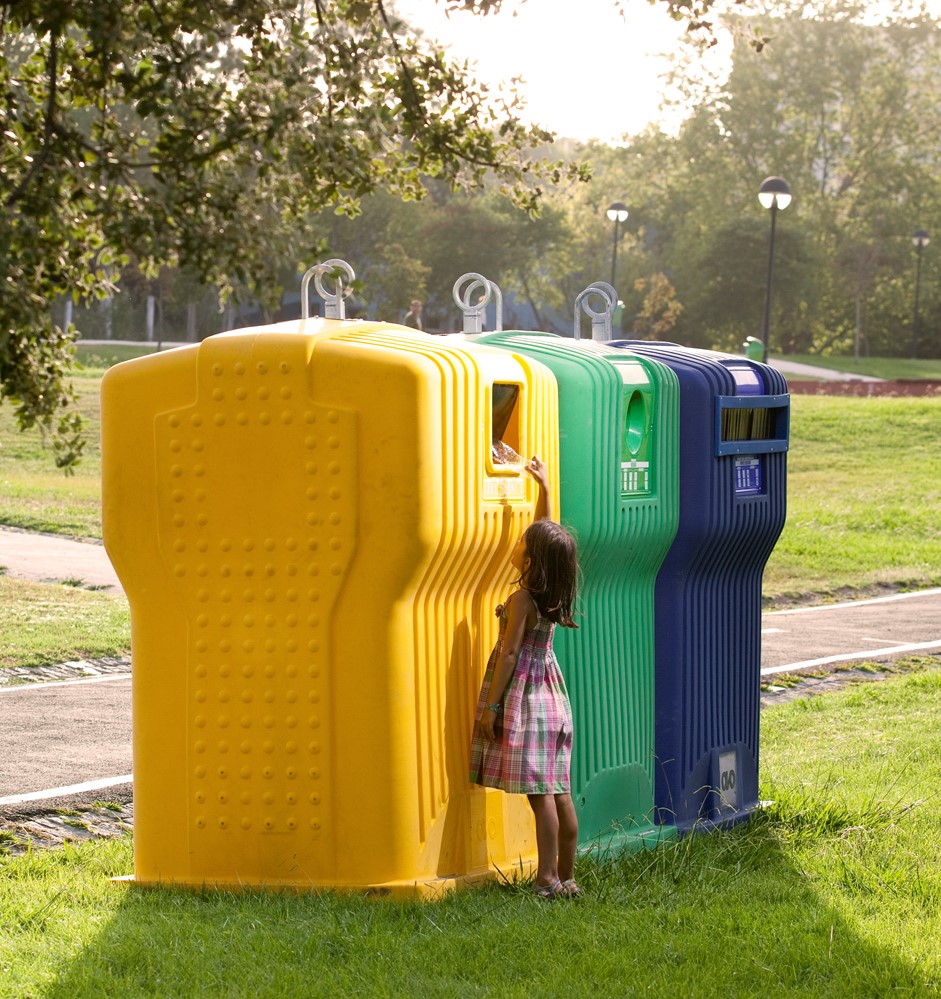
(775, 194)
(617, 212)
(920, 239)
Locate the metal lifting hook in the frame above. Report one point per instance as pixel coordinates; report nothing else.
(601, 321)
(334, 304)
(475, 313)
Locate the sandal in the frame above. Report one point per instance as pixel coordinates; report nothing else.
(548, 892)
(569, 889)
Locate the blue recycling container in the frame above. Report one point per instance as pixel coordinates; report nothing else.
(618, 470)
(734, 434)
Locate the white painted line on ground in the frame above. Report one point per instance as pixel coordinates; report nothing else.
(63, 792)
(45, 685)
(772, 631)
(847, 656)
(856, 603)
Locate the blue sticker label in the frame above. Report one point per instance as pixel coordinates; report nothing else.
(748, 475)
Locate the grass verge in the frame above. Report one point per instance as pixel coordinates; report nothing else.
(834, 890)
(34, 495)
(46, 623)
(96, 358)
(864, 490)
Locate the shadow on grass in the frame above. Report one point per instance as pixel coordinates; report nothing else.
(727, 914)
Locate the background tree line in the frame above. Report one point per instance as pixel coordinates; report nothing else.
(846, 110)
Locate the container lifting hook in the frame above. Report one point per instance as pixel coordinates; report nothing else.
(475, 312)
(334, 304)
(601, 321)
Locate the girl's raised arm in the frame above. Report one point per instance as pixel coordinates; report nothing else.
(537, 469)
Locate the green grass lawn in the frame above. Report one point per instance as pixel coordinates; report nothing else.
(46, 623)
(99, 356)
(832, 891)
(864, 497)
(34, 494)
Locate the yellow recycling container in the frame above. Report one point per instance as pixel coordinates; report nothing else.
(312, 532)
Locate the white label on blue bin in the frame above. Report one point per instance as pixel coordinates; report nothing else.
(635, 476)
(729, 794)
(748, 474)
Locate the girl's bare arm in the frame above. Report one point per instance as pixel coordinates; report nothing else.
(537, 469)
(518, 609)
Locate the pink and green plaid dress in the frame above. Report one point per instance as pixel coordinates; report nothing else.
(532, 751)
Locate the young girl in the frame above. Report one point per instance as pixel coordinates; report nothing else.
(522, 740)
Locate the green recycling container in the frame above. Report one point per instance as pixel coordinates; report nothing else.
(754, 349)
(619, 494)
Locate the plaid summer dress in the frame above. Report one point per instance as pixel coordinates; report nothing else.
(532, 750)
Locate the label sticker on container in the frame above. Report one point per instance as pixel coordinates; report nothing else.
(635, 445)
(500, 489)
(729, 795)
(635, 477)
(748, 479)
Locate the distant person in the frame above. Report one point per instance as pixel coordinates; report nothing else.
(413, 316)
(522, 741)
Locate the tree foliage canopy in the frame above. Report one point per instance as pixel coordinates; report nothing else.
(200, 132)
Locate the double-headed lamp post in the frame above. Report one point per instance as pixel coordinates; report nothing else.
(617, 212)
(920, 239)
(775, 194)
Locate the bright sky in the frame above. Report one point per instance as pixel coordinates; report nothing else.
(590, 73)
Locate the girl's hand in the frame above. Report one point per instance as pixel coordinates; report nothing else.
(537, 469)
(487, 721)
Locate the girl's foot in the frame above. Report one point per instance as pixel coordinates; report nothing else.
(548, 892)
(569, 889)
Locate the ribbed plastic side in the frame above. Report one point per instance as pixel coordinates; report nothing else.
(708, 604)
(608, 661)
(441, 626)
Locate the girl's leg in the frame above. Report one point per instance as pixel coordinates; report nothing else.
(547, 837)
(567, 835)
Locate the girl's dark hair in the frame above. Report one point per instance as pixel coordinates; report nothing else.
(552, 577)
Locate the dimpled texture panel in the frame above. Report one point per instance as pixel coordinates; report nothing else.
(256, 528)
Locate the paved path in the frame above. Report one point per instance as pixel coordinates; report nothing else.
(880, 628)
(64, 733)
(76, 729)
(812, 371)
(50, 558)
